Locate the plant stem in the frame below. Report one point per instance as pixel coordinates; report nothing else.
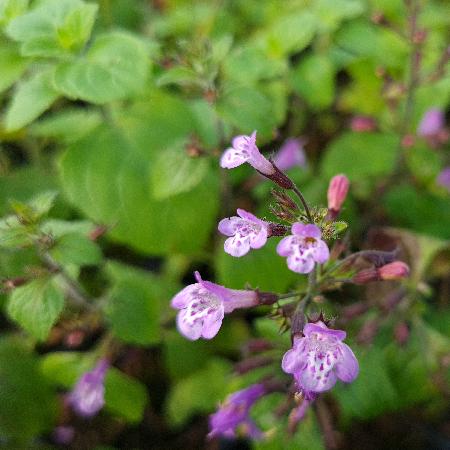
(304, 203)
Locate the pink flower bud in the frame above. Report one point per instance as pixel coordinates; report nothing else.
(337, 191)
(393, 271)
(365, 276)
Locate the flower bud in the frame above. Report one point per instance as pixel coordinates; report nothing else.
(393, 271)
(366, 276)
(401, 333)
(432, 122)
(361, 124)
(337, 192)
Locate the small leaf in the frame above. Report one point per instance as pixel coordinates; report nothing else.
(115, 67)
(36, 306)
(31, 98)
(125, 396)
(12, 66)
(175, 172)
(76, 249)
(313, 79)
(13, 233)
(53, 28)
(198, 393)
(42, 203)
(135, 304)
(178, 75)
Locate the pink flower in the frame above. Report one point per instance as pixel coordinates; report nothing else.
(246, 231)
(234, 413)
(303, 248)
(203, 305)
(244, 150)
(291, 154)
(319, 358)
(88, 395)
(337, 193)
(393, 271)
(432, 123)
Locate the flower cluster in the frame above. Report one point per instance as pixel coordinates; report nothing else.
(318, 357)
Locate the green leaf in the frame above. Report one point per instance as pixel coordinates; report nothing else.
(75, 248)
(198, 393)
(178, 75)
(205, 122)
(372, 393)
(181, 223)
(125, 396)
(115, 67)
(412, 208)
(64, 368)
(53, 28)
(424, 163)
(31, 98)
(175, 172)
(262, 269)
(11, 8)
(135, 304)
(313, 79)
(42, 203)
(36, 306)
(247, 108)
(68, 125)
(29, 406)
(330, 13)
(12, 66)
(13, 233)
(288, 34)
(363, 157)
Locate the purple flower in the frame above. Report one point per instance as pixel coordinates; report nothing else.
(243, 150)
(443, 178)
(303, 248)
(88, 396)
(319, 358)
(202, 307)
(432, 123)
(234, 413)
(291, 154)
(246, 231)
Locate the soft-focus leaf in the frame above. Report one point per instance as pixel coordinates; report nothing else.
(313, 79)
(115, 67)
(175, 172)
(11, 8)
(31, 98)
(53, 27)
(125, 396)
(135, 305)
(198, 393)
(36, 306)
(362, 157)
(74, 248)
(12, 65)
(28, 403)
(262, 269)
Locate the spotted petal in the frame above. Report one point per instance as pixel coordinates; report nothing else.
(237, 245)
(233, 157)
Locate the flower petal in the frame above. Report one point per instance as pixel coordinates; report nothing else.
(312, 381)
(300, 264)
(237, 245)
(347, 368)
(258, 240)
(321, 253)
(285, 246)
(228, 226)
(189, 330)
(185, 296)
(232, 158)
(248, 216)
(306, 230)
(211, 327)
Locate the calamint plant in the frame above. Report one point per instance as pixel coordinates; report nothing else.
(318, 356)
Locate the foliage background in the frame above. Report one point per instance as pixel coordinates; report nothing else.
(122, 108)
